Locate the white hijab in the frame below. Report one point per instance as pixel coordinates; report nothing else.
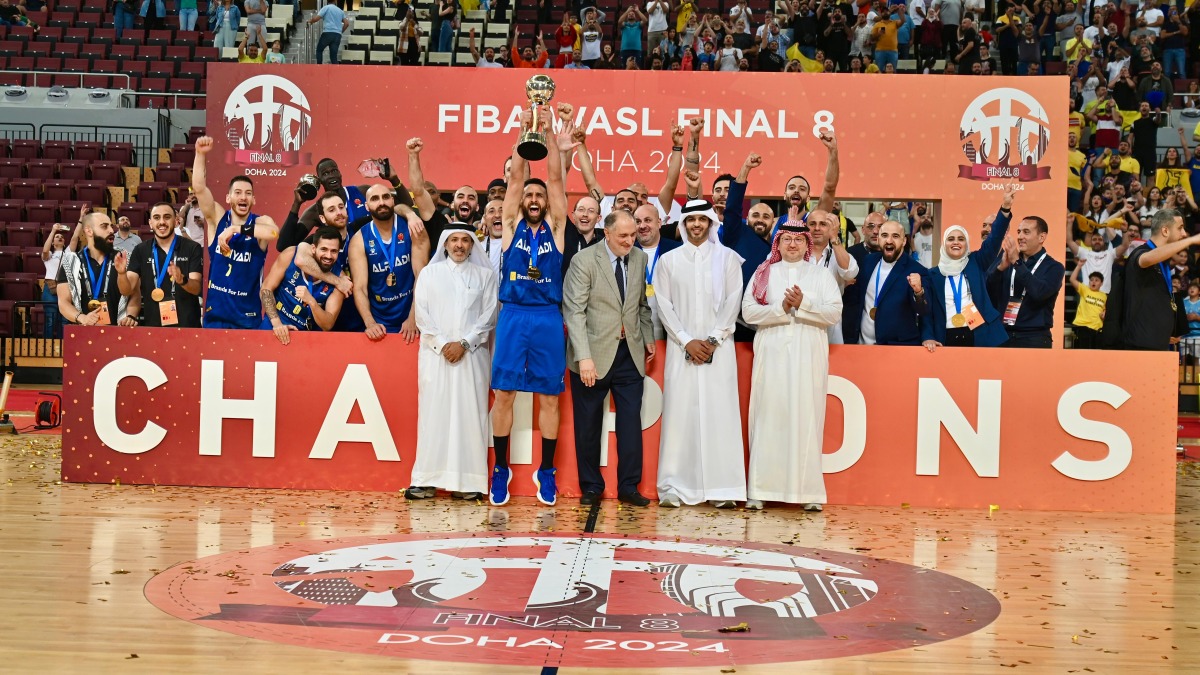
(947, 265)
(477, 255)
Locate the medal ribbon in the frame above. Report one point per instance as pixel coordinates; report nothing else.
(1164, 268)
(390, 248)
(533, 249)
(161, 273)
(94, 282)
(878, 269)
(957, 290)
(650, 267)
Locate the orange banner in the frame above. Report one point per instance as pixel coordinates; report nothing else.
(932, 137)
(966, 428)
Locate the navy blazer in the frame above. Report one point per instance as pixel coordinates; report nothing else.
(992, 333)
(851, 298)
(898, 317)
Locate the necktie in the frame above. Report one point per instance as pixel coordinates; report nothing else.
(620, 272)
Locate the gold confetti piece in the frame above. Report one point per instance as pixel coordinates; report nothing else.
(131, 656)
(993, 507)
(1075, 639)
(121, 572)
(729, 670)
(742, 627)
(904, 505)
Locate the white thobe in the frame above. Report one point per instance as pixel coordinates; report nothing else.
(494, 247)
(789, 383)
(702, 456)
(843, 277)
(453, 301)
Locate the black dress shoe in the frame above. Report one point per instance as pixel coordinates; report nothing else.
(634, 498)
(590, 498)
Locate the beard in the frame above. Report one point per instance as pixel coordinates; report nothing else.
(104, 246)
(531, 219)
(384, 212)
(893, 256)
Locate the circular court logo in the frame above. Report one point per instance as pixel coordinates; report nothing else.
(573, 600)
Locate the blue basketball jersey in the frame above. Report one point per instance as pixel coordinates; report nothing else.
(356, 203)
(530, 249)
(389, 304)
(290, 309)
(234, 280)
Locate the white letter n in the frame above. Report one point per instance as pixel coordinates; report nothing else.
(936, 408)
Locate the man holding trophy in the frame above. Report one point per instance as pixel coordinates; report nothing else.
(530, 338)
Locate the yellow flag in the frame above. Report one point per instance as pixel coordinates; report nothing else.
(1165, 178)
(807, 64)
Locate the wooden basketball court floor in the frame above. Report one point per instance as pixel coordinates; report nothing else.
(1078, 592)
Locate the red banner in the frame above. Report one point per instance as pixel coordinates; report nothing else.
(1024, 429)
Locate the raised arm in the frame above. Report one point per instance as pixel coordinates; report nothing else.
(416, 177)
(832, 171)
(511, 211)
(556, 190)
(666, 195)
(471, 45)
(204, 197)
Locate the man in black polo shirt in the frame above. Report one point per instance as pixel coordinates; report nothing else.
(1025, 282)
(1148, 321)
(167, 271)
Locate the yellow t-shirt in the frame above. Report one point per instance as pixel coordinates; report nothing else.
(1077, 48)
(262, 58)
(1131, 165)
(1076, 161)
(1091, 305)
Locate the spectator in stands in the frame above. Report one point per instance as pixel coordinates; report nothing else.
(52, 252)
(741, 11)
(886, 34)
(967, 45)
(409, 45)
(126, 239)
(333, 24)
(951, 13)
(524, 58)
(1089, 312)
(1100, 256)
(224, 20)
(250, 54)
(1156, 89)
(1172, 40)
(727, 59)
(447, 20)
(256, 22)
(191, 220)
(187, 15)
(658, 12)
(590, 41)
(123, 13)
(154, 14)
(565, 37)
(276, 54)
(1149, 308)
(1029, 50)
(931, 40)
(608, 59)
(487, 59)
(1045, 30)
(631, 33)
(575, 61)
(1008, 34)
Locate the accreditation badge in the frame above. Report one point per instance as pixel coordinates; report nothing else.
(1010, 313)
(167, 313)
(972, 315)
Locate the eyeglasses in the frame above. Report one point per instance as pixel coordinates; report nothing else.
(591, 211)
(787, 241)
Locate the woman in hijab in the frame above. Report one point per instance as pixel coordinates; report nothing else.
(960, 312)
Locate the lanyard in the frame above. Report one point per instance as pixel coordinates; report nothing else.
(650, 267)
(829, 257)
(389, 248)
(1012, 278)
(1164, 268)
(94, 282)
(161, 274)
(533, 249)
(957, 289)
(878, 269)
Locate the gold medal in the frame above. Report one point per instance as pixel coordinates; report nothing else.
(534, 273)
(93, 305)
(391, 279)
(872, 313)
(157, 295)
(649, 290)
(958, 320)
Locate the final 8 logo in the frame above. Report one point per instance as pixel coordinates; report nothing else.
(573, 600)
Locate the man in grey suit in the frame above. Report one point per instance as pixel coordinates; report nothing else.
(609, 330)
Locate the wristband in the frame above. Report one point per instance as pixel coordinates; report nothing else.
(677, 148)
(247, 230)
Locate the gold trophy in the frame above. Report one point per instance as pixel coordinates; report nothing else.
(532, 144)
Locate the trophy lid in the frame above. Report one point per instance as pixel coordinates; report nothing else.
(539, 89)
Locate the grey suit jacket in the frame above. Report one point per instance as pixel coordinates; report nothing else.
(594, 312)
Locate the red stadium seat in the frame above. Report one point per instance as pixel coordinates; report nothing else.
(77, 65)
(32, 263)
(80, 35)
(171, 173)
(73, 169)
(56, 150)
(93, 192)
(12, 210)
(40, 169)
(41, 211)
(163, 69)
(159, 37)
(194, 70)
(66, 50)
(107, 172)
(122, 51)
(189, 38)
(133, 37)
(207, 54)
(36, 49)
(11, 168)
(6, 318)
(19, 287)
(89, 150)
(25, 189)
(136, 213)
(151, 192)
(48, 64)
(10, 258)
(119, 152)
(58, 190)
(178, 53)
(24, 234)
(24, 148)
(183, 154)
(94, 51)
(98, 81)
(150, 53)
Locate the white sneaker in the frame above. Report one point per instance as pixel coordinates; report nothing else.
(754, 505)
(813, 507)
(722, 503)
(670, 501)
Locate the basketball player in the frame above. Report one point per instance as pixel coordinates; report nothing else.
(237, 249)
(292, 300)
(530, 343)
(385, 258)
